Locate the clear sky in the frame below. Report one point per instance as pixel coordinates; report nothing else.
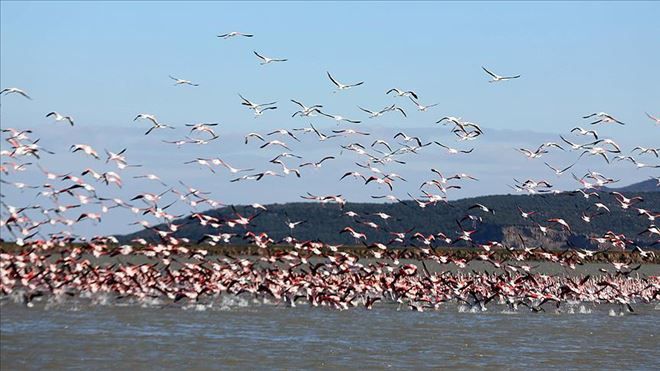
(104, 62)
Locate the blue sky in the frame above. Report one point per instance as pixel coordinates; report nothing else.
(103, 63)
(575, 58)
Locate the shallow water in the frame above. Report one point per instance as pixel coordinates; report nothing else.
(245, 333)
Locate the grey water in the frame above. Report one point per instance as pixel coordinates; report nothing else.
(237, 333)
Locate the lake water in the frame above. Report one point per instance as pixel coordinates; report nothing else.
(237, 333)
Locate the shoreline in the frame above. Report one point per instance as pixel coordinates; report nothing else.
(406, 253)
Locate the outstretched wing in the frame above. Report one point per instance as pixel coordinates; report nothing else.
(333, 80)
(490, 73)
(260, 56)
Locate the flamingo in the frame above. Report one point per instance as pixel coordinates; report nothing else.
(559, 172)
(266, 60)
(88, 150)
(497, 78)
(275, 143)
(318, 163)
(231, 169)
(421, 107)
(7, 91)
(234, 34)
(178, 81)
(147, 116)
(653, 118)
(306, 111)
(253, 105)
(561, 222)
(585, 132)
(341, 86)
(402, 93)
(603, 117)
(59, 117)
(339, 118)
(453, 151)
(158, 126)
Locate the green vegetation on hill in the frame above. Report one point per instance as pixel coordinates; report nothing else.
(324, 221)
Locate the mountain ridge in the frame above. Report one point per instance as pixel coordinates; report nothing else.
(325, 221)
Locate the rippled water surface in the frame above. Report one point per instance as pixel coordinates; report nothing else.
(240, 334)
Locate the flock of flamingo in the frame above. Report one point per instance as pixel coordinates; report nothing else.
(173, 269)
